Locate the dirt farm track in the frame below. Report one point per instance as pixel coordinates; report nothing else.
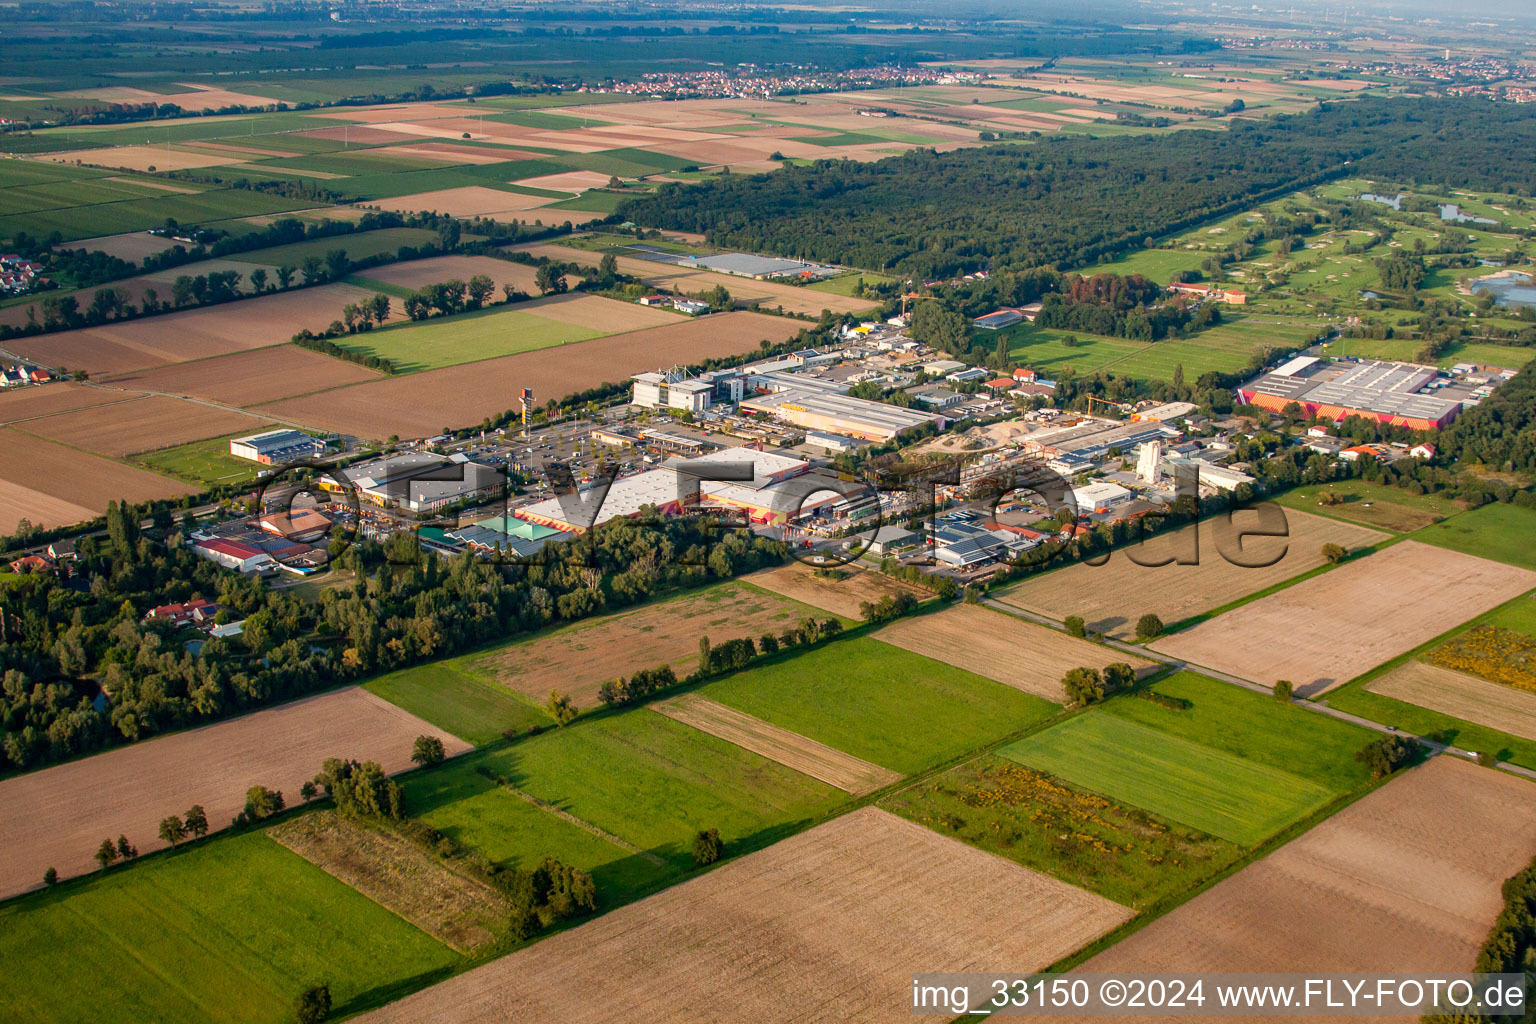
(826, 925)
(55, 817)
(1406, 879)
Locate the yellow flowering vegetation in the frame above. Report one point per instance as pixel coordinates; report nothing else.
(1493, 653)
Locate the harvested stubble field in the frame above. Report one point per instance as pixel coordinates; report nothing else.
(421, 404)
(191, 334)
(1111, 597)
(1003, 648)
(1406, 879)
(396, 874)
(799, 931)
(132, 246)
(598, 313)
(1344, 622)
(841, 592)
(790, 749)
(578, 659)
(50, 484)
(121, 428)
(742, 289)
(420, 273)
(1461, 696)
(55, 817)
(247, 378)
(20, 404)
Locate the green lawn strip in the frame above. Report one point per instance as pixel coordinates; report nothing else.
(468, 706)
(359, 245)
(880, 703)
(467, 338)
(587, 202)
(398, 291)
(1254, 727)
(654, 782)
(1201, 786)
(1119, 852)
(460, 802)
(230, 930)
(1499, 531)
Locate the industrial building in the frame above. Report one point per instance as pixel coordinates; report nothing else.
(1401, 394)
(232, 554)
(672, 391)
(276, 447)
(419, 481)
(832, 413)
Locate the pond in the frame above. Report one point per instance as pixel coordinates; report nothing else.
(1510, 289)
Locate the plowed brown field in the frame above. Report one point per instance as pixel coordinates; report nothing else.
(1455, 693)
(842, 596)
(826, 925)
(1405, 880)
(56, 817)
(1111, 597)
(1003, 648)
(1326, 630)
(248, 378)
(141, 425)
(43, 475)
(790, 749)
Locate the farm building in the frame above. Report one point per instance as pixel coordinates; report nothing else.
(1401, 394)
(840, 414)
(276, 447)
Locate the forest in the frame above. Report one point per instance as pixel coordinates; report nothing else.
(1070, 201)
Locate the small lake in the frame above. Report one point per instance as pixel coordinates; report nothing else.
(1514, 291)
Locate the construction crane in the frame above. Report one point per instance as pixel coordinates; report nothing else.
(1117, 406)
(912, 295)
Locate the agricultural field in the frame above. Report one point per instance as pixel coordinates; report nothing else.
(150, 422)
(247, 378)
(513, 831)
(862, 697)
(472, 337)
(416, 274)
(1119, 852)
(422, 404)
(577, 659)
(654, 783)
(839, 590)
(1374, 505)
(116, 348)
(358, 246)
(1460, 695)
(457, 910)
(20, 404)
(1385, 604)
(1498, 531)
(745, 290)
(454, 699)
(1411, 874)
(1111, 597)
(1207, 789)
(56, 816)
(768, 921)
(1002, 648)
(241, 925)
(792, 750)
(53, 485)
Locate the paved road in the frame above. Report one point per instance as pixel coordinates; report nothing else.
(1318, 707)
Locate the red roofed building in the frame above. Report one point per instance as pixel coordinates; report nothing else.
(187, 614)
(1001, 384)
(33, 564)
(232, 554)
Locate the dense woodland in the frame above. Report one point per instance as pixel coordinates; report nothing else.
(1070, 201)
(59, 638)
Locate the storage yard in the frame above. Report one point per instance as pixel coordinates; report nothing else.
(810, 916)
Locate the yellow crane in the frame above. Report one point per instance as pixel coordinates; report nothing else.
(912, 295)
(1117, 406)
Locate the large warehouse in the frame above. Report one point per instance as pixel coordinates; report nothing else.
(1401, 394)
(840, 414)
(276, 446)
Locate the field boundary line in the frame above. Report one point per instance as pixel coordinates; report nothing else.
(546, 806)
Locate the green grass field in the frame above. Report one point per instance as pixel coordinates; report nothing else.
(484, 334)
(1255, 728)
(878, 702)
(1043, 349)
(654, 782)
(476, 811)
(1154, 264)
(89, 219)
(846, 284)
(470, 707)
(358, 246)
(1497, 531)
(203, 462)
(230, 930)
(1119, 852)
(1386, 508)
(1200, 786)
